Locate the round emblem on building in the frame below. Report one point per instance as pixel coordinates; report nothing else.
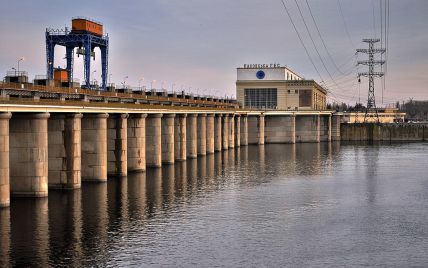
(260, 74)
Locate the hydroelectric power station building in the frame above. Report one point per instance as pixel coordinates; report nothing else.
(275, 87)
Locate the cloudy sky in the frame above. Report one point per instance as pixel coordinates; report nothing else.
(197, 44)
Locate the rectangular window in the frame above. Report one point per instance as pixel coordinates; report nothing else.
(261, 98)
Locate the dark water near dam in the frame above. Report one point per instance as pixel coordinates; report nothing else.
(303, 205)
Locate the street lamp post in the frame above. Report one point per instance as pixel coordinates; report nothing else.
(124, 81)
(151, 84)
(13, 68)
(109, 79)
(139, 83)
(21, 59)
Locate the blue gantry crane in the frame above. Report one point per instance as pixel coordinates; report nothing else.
(85, 35)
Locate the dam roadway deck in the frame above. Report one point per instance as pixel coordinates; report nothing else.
(55, 138)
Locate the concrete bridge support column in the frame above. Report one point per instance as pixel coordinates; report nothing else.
(261, 128)
(29, 155)
(335, 127)
(244, 130)
(168, 138)
(280, 129)
(225, 132)
(237, 127)
(232, 131)
(180, 137)
(202, 134)
(4, 160)
(154, 140)
(217, 133)
(64, 143)
(325, 128)
(210, 133)
(308, 128)
(94, 147)
(117, 145)
(256, 129)
(192, 136)
(137, 142)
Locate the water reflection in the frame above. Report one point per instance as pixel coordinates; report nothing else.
(4, 237)
(166, 212)
(65, 224)
(30, 232)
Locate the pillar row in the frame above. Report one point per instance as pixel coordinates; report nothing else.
(117, 145)
(192, 139)
(64, 143)
(202, 134)
(168, 138)
(261, 129)
(180, 137)
(232, 131)
(4, 160)
(225, 132)
(137, 142)
(29, 155)
(218, 132)
(335, 127)
(244, 130)
(237, 128)
(153, 140)
(94, 147)
(210, 133)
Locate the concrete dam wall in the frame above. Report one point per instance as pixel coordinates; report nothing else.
(383, 132)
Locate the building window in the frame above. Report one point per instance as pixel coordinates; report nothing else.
(261, 98)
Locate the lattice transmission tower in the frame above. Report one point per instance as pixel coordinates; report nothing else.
(371, 111)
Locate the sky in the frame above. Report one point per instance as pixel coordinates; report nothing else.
(196, 45)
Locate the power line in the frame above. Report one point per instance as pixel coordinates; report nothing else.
(344, 23)
(322, 39)
(301, 41)
(313, 42)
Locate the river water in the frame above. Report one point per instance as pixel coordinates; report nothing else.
(303, 205)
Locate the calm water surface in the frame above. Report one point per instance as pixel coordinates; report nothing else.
(311, 205)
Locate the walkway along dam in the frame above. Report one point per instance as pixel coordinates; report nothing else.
(55, 138)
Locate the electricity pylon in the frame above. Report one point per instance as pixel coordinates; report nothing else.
(371, 110)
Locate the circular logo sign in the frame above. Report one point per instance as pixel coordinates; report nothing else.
(260, 74)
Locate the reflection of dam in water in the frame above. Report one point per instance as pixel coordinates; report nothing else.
(224, 204)
(70, 227)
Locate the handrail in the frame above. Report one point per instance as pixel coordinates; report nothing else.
(76, 90)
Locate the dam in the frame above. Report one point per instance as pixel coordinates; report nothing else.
(68, 137)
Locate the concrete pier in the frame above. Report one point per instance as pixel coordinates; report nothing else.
(325, 128)
(192, 136)
(94, 147)
(308, 128)
(154, 140)
(256, 129)
(280, 129)
(244, 130)
(335, 127)
(225, 132)
(237, 127)
(231, 131)
(210, 133)
(117, 145)
(218, 133)
(202, 134)
(168, 138)
(4, 160)
(180, 137)
(29, 154)
(64, 143)
(137, 142)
